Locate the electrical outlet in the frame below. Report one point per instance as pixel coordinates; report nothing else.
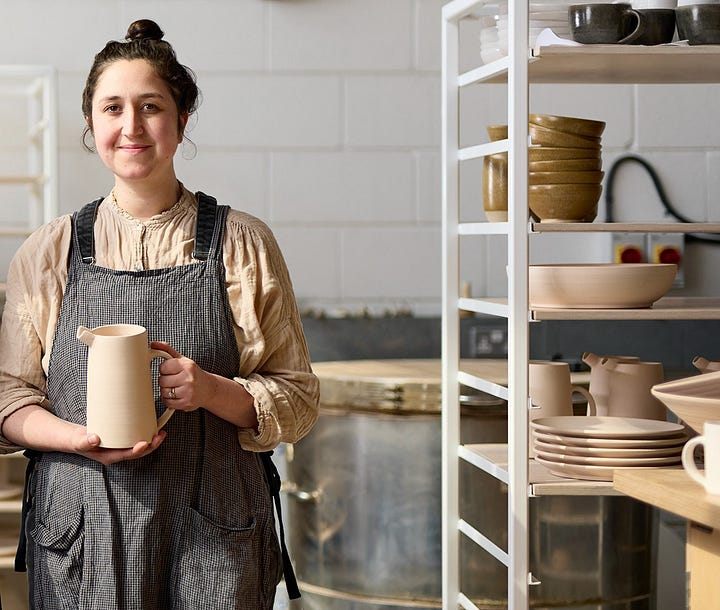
(629, 248)
(487, 342)
(668, 248)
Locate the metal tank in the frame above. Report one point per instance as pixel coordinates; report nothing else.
(364, 508)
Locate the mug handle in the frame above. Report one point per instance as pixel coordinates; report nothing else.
(167, 414)
(637, 32)
(592, 410)
(688, 459)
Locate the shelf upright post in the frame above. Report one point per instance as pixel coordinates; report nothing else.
(450, 416)
(518, 320)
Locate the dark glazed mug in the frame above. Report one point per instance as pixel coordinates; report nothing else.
(699, 23)
(605, 23)
(658, 26)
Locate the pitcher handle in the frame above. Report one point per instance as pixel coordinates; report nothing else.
(591, 409)
(167, 414)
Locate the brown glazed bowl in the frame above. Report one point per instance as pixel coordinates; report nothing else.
(564, 202)
(566, 124)
(566, 165)
(561, 153)
(565, 177)
(545, 136)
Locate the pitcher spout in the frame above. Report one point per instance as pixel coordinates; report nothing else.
(85, 335)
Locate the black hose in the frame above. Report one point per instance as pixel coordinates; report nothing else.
(669, 208)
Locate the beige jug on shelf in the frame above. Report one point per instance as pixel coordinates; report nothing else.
(706, 366)
(120, 401)
(551, 391)
(600, 379)
(629, 389)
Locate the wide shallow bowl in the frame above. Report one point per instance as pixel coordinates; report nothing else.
(565, 177)
(561, 153)
(694, 400)
(566, 165)
(497, 132)
(599, 285)
(564, 202)
(566, 124)
(546, 136)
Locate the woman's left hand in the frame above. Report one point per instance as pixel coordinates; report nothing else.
(183, 384)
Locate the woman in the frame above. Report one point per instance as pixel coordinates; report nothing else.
(186, 520)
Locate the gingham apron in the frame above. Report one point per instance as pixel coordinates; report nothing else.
(188, 527)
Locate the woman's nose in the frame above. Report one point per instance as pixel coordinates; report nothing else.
(132, 124)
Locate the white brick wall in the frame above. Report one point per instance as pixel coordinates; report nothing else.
(323, 118)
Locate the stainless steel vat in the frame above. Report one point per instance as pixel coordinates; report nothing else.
(364, 506)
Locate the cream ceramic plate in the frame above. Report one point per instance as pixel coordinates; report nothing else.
(591, 473)
(612, 443)
(612, 462)
(604, 452)
(607, 427)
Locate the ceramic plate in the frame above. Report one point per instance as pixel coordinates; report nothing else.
(612, 443)
(607, 427)
(612, 462)
(605, 452)
(591, 473)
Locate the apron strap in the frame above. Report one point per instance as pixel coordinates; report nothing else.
(84, 237)
(209, 227)
(27, 501)
(273, 478)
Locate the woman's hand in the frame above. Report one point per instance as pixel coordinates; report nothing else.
(183, 384)
(186, 387)
(88, 445)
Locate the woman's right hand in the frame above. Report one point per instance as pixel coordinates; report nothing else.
(88, 445)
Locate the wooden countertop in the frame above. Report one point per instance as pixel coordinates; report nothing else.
(671, 490)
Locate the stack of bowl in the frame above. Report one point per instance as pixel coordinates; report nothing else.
(564, 164)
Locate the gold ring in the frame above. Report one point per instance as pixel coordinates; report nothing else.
(171, 394)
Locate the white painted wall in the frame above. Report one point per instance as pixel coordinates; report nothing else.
(323, 118)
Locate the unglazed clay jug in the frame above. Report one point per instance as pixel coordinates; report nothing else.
(705, 366)
(600, 378)
(120, 401)
(629, 388)
(551, 390)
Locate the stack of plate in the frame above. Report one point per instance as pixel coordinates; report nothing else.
(579, 447)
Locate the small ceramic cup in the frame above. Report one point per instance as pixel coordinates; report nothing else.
(604, 23)
(710, 441)
(699, 24)
(658, 26)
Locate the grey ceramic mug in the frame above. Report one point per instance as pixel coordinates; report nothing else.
(604, 23)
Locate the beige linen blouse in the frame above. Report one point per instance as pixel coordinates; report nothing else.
(274, 361)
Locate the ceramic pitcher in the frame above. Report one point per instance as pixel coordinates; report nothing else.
(551, 391)
(600, 378)
(120, 401)
(629, 389)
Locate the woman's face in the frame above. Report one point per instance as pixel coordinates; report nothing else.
(135, 122)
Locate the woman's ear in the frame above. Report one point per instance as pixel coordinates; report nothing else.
(182, 123)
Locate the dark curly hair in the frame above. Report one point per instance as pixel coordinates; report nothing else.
(144, 41)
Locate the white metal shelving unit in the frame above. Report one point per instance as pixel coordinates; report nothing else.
(36, 88)
(510, 464)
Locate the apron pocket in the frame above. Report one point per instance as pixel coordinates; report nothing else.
(218, 566)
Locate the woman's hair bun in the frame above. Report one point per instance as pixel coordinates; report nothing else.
(144, 29)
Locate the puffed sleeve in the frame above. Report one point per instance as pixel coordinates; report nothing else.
(35, 285)
(274, 360)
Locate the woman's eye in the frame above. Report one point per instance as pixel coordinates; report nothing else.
(150, 107)
(112, 108)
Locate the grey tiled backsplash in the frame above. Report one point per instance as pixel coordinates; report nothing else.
(674, 343)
